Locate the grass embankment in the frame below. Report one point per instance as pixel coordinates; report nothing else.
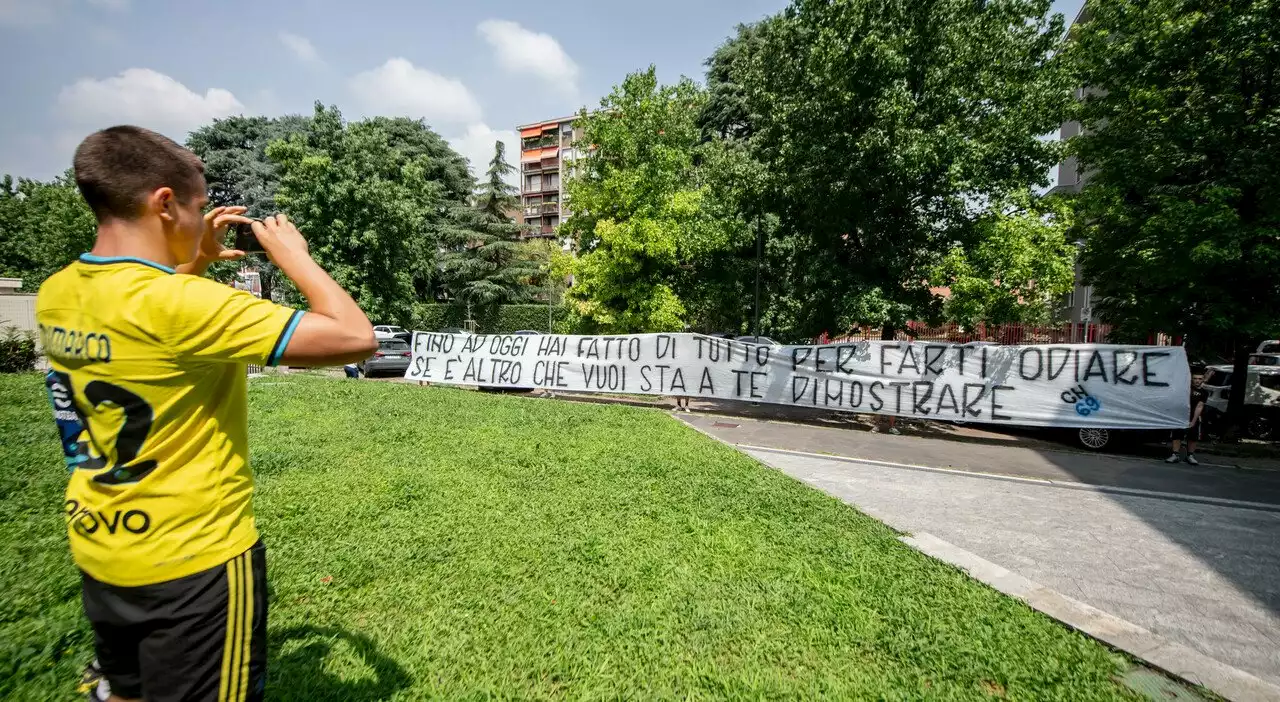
(429, 542)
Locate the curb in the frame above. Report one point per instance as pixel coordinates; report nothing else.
(1173, 658)
(1066, 485)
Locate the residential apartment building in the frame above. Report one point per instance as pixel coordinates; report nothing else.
(1078, 307)
(546, 153)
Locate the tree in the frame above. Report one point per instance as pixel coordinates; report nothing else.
(1019, 266)
(637, 213)
(43, 227)
(1182, 135)
(727, 111)
(238, 172)
(496, 195)
(483, 263)
(373, 198)
(885, 128)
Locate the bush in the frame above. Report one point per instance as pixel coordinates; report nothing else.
(17, 350)
(503, 319)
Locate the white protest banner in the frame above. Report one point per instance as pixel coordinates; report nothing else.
(1077, 385)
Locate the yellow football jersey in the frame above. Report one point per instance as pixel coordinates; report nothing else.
(148, 391)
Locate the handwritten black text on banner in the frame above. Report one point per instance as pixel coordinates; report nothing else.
(1138, 387)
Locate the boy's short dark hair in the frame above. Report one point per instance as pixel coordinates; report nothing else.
(118, 167)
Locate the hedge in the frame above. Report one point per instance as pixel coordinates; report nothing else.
(17, 350)
(502, 319)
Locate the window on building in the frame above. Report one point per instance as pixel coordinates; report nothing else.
(533, 183)
(552, 181)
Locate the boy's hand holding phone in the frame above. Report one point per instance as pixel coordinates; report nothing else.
(216, 222)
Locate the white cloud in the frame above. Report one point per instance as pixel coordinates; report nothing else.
(477, 145)
(146, 98)
(301, 47)
(397, 88)
(113, 5)
(522, 51)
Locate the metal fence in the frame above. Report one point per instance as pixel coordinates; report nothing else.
(1007, 334)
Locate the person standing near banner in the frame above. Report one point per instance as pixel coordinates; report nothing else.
(891, 422)
(1194, 429)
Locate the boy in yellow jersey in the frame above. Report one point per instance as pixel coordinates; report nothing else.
(148, 387)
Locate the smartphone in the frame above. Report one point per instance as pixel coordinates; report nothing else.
(246, 240)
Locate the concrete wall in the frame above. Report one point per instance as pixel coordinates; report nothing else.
(19, 311)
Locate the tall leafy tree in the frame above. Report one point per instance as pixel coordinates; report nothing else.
(43, 227)
(637, 211)
(484, 263)
(372, 198)
(1016, 269)
(1182, 139)
(234, 151)
(884, 128)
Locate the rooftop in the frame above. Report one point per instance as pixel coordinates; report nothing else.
(547, 122)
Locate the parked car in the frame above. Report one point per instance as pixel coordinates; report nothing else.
(1261, 398)
(387, 331)
(1269, 346)
(391, 331)
(391, 358)
(758, 340)
(1264, 359)
(1100, 439)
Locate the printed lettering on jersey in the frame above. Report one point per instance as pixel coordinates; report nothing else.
(75, 344)
(88, 521)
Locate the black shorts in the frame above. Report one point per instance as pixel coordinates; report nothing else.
(1191, 433)
(202, 637)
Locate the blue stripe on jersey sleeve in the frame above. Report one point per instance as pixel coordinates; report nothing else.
(283, 342)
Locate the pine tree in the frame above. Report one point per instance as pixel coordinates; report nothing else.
(484, 262)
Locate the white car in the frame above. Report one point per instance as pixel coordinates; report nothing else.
(1269, 346)
(388, 331)
(1264, 359)
(1261, 399)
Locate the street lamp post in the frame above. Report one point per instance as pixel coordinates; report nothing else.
(755, 324)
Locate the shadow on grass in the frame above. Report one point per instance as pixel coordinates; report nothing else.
(326, 663)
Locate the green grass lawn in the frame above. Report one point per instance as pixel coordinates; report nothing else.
(438, 543)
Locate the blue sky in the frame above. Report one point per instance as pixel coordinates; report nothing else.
(473, 70)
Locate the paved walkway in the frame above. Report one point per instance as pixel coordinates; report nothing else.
(1204, 575)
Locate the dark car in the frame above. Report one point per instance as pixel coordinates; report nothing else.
(391, 358)
(1099, 439)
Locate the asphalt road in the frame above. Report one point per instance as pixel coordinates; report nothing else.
(1210, 479)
